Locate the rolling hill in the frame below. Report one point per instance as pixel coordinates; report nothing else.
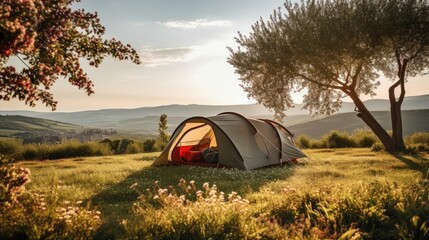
(40, 130)
(114, 117)
(145, 120)
(36, 129)
(413, 121)
(15, 124)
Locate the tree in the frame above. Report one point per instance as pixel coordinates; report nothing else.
(51, 40)
(335, 49)
(162, 129)
(148, 145)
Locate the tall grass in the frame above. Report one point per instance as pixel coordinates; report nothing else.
(371, 211)
(339, 193)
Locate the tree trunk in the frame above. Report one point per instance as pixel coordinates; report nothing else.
(395, 105)
(372, 123)
(396, 118)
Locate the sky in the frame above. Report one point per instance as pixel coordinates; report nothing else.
(183, 48)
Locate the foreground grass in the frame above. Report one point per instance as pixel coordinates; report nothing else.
(113, 184)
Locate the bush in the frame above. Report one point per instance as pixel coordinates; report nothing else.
(321, 143)
(74, 148)
(337, 139)
(364, 138)
(135, 147)
(418, 138)
(10, 146)
(148, 145)
(304, 141)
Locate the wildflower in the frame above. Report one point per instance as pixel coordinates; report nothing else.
(79, 202)
(192, 182)
(66, 202)
(182, 181)
(206, 185)
(155, 197)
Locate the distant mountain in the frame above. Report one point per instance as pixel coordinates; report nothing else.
(413, 121)
(145, 119)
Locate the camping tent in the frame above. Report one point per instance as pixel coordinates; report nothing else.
(234, 141)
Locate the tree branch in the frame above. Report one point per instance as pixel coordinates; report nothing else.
(416, 53)
(402, 81)
(398, 60)
(322, 84)
(355, 76)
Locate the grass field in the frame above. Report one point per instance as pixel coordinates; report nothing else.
(112, 184)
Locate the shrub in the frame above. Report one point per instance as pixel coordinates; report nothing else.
(418, 138)
(123, 145)
(337, 139)
(321, 143)
(135, 147)
(10, 146)
(148, 145)
(74, 148)
(304, 141)
(364, 138)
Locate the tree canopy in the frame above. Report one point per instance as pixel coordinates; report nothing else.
(333, 49)
(51, 39)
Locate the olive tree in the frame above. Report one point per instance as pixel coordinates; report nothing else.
(335, 49)
(51, 39)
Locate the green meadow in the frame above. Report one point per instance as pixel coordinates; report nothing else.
(335, 193)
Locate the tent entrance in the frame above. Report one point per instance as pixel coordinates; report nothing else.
(197, 143)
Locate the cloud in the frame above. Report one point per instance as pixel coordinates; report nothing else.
(196, 24)
(209, 50)
(162, 56)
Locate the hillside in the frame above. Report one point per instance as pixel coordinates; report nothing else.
(32, 129)
(107, 118)
(413, 121)
(18, 124)
(145, 120)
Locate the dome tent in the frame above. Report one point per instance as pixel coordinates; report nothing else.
(238, 141)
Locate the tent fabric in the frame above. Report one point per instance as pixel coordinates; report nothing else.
(240, 142)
